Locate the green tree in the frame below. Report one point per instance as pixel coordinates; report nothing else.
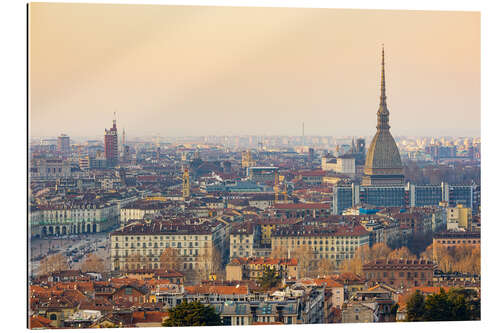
(269, 278)
(438, 307)
(416, 306)
(192, 314)
(454, 305)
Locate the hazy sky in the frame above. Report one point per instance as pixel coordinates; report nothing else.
(174, 70)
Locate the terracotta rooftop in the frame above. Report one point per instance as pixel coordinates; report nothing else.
(218, 290)
(148, 316)
(39, 322)
(292, 206)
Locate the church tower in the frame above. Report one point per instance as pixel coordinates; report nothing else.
(186, 186)
(383, 163)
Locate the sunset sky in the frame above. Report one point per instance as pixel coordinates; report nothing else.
(175, 71)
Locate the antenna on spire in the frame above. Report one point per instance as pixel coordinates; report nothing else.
(382, 83)
(114, 119)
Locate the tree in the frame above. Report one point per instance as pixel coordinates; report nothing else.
(210, 262)
(134, 261)
(363, 255)
(401, 253)
(192, 314)
(306, 263)
(454, 305)
(217, 264)
(437, 307)
(93, 263)
(379, 251)
(416, 307)
(428, 254)
(270, 278)
(461, 258)
(171, 259)
(279, 252)
(354, 265)
(53, 263)
(325, 267)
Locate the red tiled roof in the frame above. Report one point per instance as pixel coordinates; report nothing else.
(148, 316)
(329, 282)
(220, 290)
(302, 206)
(312, 173)
(40, 322)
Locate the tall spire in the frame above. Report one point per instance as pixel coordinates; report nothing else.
(383, 112)
(382, 80)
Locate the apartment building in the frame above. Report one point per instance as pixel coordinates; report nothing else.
(336, 243)
(198, 244)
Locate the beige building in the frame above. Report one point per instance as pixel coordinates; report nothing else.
(138, 209)
(50, 169)
(458, 218)
(334, 243)
(252, 268)
(241, 240)
(140, 245)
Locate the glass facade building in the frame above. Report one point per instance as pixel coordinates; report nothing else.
(409, 195)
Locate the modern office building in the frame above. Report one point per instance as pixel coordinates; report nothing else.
(409, 195)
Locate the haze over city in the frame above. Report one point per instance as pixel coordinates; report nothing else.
(180, 70)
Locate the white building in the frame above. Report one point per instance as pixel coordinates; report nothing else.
(66, 219)
(342, 164)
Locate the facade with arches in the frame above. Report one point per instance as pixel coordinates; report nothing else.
(59, 220)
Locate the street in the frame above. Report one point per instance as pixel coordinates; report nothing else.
(74, 248)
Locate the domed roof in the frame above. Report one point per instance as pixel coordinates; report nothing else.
(383, 154)
(383, 157)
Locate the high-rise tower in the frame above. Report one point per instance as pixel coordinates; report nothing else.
(383, 162)
(63, 145)
(111, 145)
(185, 184)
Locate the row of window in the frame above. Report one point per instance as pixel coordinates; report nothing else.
(161, 237)
(156, 252)
(338, 249)
(166, 245)
(463, 241)
(392, 274)
(309, 242)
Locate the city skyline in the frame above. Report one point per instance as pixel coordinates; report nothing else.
(93, 86)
